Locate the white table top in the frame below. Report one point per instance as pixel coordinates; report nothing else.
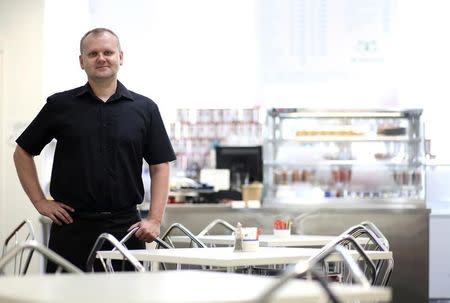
(226, 257)
(268, 240)
(271, 240)
(169, 287)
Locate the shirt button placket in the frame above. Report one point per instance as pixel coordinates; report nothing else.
(102, 143)
(108, 132)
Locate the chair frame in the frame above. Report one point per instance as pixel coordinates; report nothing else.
(381, 278)
(374, 229)
(116, 245)
(165, 242)
(183, 229)
(344, 240)
(211, 225)
(133, 231)
(30, 236)
(34, 245)
(303, 268)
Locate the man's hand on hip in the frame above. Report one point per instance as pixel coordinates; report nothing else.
(58, 212)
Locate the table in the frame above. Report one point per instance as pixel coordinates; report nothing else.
(170, 287)
(271, 240)
(268, 240)
(226, 257)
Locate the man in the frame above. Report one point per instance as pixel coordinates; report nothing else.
(103, 133)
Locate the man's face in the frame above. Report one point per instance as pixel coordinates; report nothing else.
(101, 57)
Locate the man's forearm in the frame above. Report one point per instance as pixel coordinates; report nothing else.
(27, 173)
(159, 190)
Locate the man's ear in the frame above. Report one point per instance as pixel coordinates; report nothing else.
(81, 62)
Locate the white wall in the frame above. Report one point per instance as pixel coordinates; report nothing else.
(196, 53)
(2, 139)
(202, 53)
(423, 66)
(21, 42)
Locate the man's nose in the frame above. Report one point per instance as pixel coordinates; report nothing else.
(100, 57)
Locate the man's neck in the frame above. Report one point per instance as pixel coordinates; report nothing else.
(103, 89)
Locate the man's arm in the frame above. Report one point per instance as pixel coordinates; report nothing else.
(26, 170)
(150, 227)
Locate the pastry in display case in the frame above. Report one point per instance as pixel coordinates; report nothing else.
(353, 154)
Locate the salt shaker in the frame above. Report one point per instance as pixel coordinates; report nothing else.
(238, 237)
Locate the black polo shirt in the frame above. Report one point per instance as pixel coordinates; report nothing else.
(100, 146)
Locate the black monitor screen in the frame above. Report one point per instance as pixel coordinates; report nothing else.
(242, 161)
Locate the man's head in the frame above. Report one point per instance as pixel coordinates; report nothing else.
(97, 31)
(100, 54)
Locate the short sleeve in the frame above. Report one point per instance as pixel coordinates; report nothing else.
(39, 133)
(157, 148)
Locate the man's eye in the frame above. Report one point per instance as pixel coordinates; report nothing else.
(108, 53)
(92, 55)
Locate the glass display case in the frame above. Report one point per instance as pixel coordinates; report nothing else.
(312, 155)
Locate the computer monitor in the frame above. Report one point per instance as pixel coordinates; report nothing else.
(244, 163)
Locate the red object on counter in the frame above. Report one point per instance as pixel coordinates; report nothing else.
(281, 224)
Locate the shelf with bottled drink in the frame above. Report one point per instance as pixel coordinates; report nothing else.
(196, 132)
(312, 154)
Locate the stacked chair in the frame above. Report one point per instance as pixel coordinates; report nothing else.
(375, 240)
(217, 227)
(121, 247)
(117, 245)
(364, 271)
(18, 250)
(23, 232)
(217, 222)
(309, 270)
(163, 242)
(361, 237)
(175, 230)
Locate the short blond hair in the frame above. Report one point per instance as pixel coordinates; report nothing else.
(97, 31)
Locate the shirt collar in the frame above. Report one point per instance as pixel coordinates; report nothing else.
(121, 91)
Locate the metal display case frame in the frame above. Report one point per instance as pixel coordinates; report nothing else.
(320, 151)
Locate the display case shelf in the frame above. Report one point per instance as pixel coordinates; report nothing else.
(328, 163)
(348, 139)
(343, 153)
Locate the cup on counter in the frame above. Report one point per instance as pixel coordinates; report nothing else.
(281, 228)
(282, 233)
(252, 191)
